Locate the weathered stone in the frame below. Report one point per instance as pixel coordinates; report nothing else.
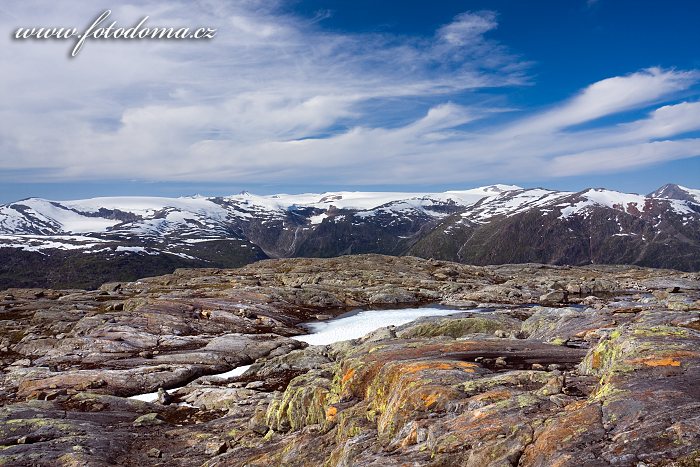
(473, 388)
(163, 397)
(460, 325)
(148, 420)
(214, 448)
(553, 298)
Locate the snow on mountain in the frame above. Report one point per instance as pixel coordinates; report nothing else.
(38, 243)
(695, 194)
(318, 219)
(364, 201)
(116, 214)
(607, 198)
(148, 206)
(41, 216)
(626, 202)
(511, 203)
(38, 224)
(430, 203)
(68, 220)
(158, 216)
(678, 192)
(569, 204)
(118, 238)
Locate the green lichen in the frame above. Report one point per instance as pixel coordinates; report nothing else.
(461, 327)
(376, 348)
(604, 355)
(303, 403)
(661, 331)
(510, 379)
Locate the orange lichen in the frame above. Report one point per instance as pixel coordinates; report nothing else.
(478, 414)
(662, 362)
(411, 438)
(666, 358)
(466, 366)
(331, 413)
(578, 405)
(429, 400)
(416, 367)
(348, 375)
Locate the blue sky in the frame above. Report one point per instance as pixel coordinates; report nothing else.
(318, 96)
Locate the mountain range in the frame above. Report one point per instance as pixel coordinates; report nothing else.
(83, 243)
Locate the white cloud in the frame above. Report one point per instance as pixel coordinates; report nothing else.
(468, 28)
(610, 96)
(607, 159)
(276, 98)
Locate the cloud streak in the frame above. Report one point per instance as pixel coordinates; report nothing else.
(277, 97)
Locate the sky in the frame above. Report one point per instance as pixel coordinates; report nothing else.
(314, 96)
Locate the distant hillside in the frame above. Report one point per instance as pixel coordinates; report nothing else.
(86, 242)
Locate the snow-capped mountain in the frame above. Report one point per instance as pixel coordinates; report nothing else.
(671, 191)
(591, 226)
(46, 242)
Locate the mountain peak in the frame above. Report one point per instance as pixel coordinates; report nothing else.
(673, 191)
(500, 188)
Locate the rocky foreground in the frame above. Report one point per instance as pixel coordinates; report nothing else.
(603, 369)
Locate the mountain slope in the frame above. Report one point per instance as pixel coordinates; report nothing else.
(671, 191)
(592, 226)
(46, 242)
